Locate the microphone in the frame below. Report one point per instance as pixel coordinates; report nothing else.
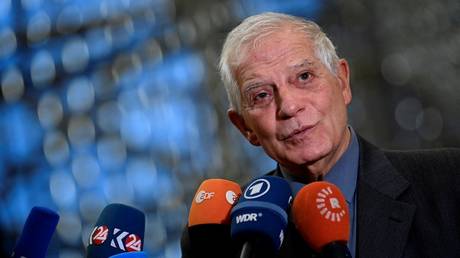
(36, 234)
(209, 218)
(259, 219)
(130, 255)
(119, 228)
(320, 213)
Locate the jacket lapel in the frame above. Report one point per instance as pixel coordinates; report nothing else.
(384, 214)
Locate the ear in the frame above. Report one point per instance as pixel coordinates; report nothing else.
(343, 74)
(238, 121)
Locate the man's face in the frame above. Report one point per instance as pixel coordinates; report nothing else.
(292, 105)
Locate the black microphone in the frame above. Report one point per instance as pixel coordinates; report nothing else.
(119, 228)
(259, 219)
(36, 234)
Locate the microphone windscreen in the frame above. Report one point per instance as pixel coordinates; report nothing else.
(130, 255)
(119, 228)
(209, 219)
(261, 212)
(36, 234)
(320, 214)
(213, 201)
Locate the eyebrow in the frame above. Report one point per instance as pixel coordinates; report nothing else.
(252, 85)
(304, 63)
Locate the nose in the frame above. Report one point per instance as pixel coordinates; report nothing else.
(287, 103)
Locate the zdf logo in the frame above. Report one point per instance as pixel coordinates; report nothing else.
(231, 197)
(257, 189)
(202, 195)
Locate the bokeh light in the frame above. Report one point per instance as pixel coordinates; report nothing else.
(42, 68)
(39, 27)
(8, 42)
(50, 110)
(80, 95)
(12, 85)
(75, 55)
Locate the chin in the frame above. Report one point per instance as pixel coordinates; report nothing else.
(313, 154)
(303, 158)
(303, 154)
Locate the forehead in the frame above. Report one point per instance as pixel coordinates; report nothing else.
(285, 48)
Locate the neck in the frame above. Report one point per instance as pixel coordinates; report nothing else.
(316, 170)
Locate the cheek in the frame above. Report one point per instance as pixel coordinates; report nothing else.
(323, 103)
(332, 101)
(262, 125)
(333, 112)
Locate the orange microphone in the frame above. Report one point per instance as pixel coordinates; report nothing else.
(209, 218)
(321, 215)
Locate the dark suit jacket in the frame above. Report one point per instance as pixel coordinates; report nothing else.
(408, 206)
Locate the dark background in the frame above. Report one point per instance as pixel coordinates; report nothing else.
(119, 101)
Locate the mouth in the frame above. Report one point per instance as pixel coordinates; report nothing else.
(297, 133)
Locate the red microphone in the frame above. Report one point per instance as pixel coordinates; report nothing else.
(209, 218)
(321, 215)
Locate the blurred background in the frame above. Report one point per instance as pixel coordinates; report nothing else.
(108, 101)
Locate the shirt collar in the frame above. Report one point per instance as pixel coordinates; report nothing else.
(344, 173)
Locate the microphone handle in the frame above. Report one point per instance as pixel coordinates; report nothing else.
(246, 250)
(336, 250)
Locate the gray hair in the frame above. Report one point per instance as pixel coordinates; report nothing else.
(258, 26)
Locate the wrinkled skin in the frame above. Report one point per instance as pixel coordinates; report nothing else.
(292, 105)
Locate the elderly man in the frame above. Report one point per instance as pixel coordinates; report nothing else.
(289, 94)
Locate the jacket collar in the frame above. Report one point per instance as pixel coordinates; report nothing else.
(384, 212)
(377, 171)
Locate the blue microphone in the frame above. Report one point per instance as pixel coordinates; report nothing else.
(130, 255)
(259, 219)
(119, 228)
(36, 234)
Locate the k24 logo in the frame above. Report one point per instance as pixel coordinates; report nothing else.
(120, 239)
(99, 235)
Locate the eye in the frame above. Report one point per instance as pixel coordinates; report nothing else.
(261, 95)
(304, 76)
